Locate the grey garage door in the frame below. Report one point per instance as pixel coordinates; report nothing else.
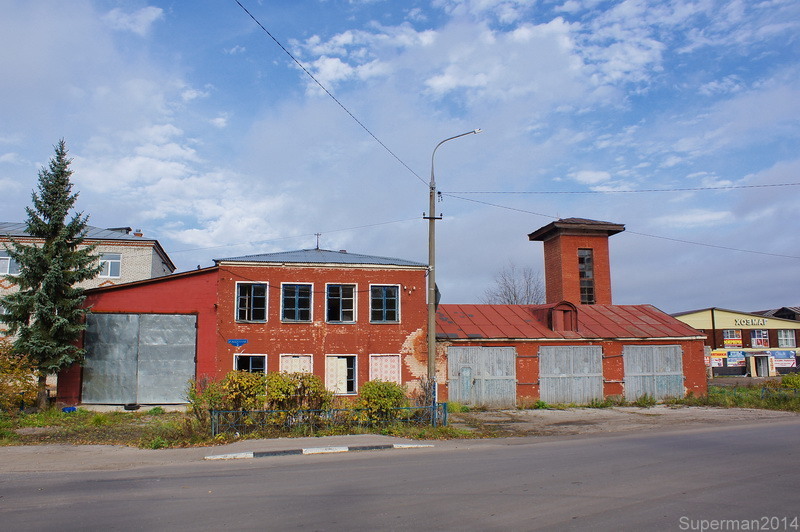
(570, 374)
(482, 376)
(654, 370)
(138, 358)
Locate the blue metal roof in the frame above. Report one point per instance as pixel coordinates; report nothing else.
(321, 256)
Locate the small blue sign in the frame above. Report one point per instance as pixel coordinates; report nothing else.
(237, 342)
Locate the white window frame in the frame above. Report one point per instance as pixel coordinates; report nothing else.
(283, 356)
(106, 261)
(355, 303)
(789, 338)
(374, 356)
(237, 356)
(399, 303)
(332, 385)
(6, 262)
(236, 301)
(310, 302)
(759, 338)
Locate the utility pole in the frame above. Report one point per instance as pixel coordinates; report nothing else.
(431, 217)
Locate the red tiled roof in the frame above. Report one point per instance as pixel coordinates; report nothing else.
(594, 321)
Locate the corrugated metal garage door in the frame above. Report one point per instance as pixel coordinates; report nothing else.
(482, 376)
(655, 370)
(571, 374)
(138, 358)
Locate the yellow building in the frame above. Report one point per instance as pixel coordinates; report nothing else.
(741, 343)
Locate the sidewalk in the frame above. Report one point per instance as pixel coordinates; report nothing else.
(50, 458)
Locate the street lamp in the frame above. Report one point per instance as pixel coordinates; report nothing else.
(432, 271)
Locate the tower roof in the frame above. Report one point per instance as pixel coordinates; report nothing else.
(575, 226)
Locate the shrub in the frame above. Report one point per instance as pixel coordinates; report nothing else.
(380, 400)
(18, 378)
(456, 408)
(791, 380)
(244, 390)
(296, 391)
(204, 395)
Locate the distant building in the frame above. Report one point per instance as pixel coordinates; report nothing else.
(125, 256)
(787, 313)
(576, 348)
(742, 343)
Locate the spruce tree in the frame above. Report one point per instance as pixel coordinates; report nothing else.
(46, 315)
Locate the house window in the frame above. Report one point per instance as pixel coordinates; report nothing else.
(732, 338)
(759, 338)
(385, 368)
(296, 363)
(8, 266)
(110, 264)
(340, 374)
(251, 302)
(586, 275)
(786, 338)
(341, 303)
(384, 304)
(296, 302)
(251, 363)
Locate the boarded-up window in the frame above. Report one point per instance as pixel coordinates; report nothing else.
(385, 368)
(340, 374)
(296, 363)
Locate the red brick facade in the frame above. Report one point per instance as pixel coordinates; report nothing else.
(562, 241)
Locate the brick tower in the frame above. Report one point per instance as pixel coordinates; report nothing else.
(576, 262)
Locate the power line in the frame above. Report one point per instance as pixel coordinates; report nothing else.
(631, 232)
(346, 110)
(726, 187)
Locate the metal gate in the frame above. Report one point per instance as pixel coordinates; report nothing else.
(482, 376)
(138, 358)
(570, 374)
(654, 370)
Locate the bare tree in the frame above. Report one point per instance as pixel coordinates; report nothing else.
(514, 285)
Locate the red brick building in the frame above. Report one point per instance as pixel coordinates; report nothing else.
(346, 317)
(577, 347)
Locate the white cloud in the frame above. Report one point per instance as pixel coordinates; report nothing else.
(590, 177)
(138, 22)
(693, 218)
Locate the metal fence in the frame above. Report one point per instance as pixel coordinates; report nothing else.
(250, 421)
(780, 393)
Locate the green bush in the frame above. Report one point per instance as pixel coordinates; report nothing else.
(296, 391)
(204, 395)
(791, 380)
(456, 408)
(244, 390)
(17, 379)
(380, 400)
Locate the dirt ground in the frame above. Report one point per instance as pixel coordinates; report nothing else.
(575, 421)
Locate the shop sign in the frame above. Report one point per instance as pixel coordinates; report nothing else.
(735, 358)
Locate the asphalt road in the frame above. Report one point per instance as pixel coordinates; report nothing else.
(677, 480)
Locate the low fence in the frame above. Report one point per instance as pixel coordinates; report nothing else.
(780, 393)
(249, 421)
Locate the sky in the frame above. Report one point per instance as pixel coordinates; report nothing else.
(204, 129)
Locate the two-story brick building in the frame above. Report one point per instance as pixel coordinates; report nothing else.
(741, 343)
(346, 317)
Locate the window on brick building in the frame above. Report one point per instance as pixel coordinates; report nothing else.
(296, 363)
(732, 338)
(296, 302)
(251, 302)
(586, 275)
(8, 266)
(340, 374)
(759, 338)
(786, 338)
(384, 304)
(341, 303)
(110, 264)
(251, 363)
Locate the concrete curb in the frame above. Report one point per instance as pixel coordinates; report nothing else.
(315, 450)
